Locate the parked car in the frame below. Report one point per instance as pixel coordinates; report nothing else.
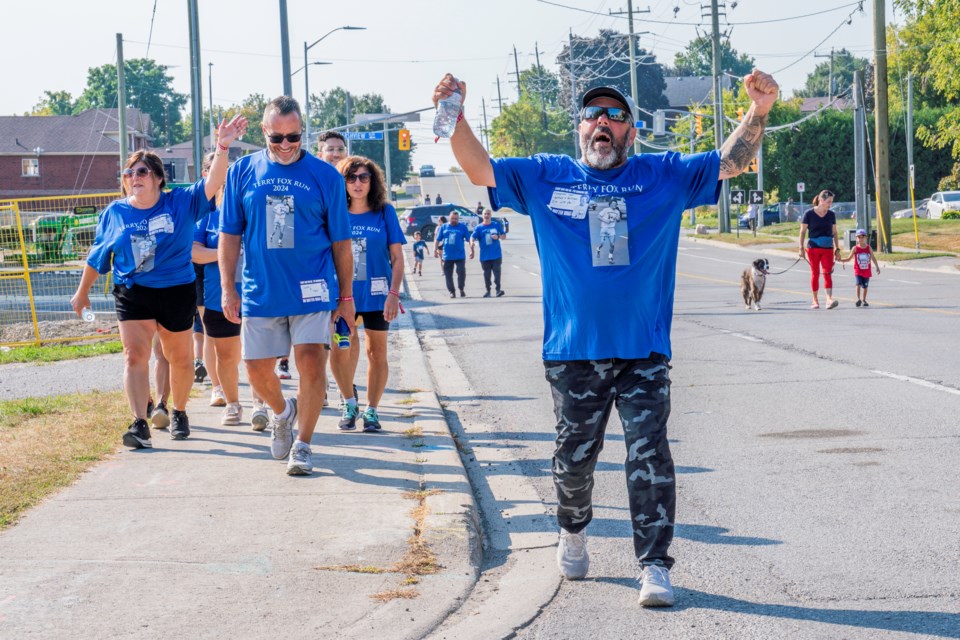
(427, 171)
(426, 218)
(908, 212)
(942, 201)
(771, 215)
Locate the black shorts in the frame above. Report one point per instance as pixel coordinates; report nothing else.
(172, 307)
(198, 269)
(373, 320)
(217, 326)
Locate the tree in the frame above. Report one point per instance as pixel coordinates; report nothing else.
(54, 103)
(844, 64)
(518, 131)
(251, 108)
(148, 88)
(697, 59)
(605, 61)
(329, 110)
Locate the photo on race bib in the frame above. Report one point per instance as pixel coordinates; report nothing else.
(608, 231)
(280, 222)
(359, 259)
(144, 251)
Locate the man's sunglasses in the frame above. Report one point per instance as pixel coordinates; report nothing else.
(140, 172)
(277, 138)
(615, 114)
(362, 177)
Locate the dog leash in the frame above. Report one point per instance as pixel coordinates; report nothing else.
(777, 273)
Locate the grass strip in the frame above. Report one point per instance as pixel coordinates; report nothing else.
(46, 443)
(57, 352)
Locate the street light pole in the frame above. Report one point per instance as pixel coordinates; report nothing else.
(306, 76)
(212, 126)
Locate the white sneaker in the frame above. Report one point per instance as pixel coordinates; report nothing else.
(572, 557)
(232, 414)
(282, 432)
(655, 588)
(260, 418)
(217, 399)
(301, 462)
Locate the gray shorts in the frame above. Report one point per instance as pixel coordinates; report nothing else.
(272, 337)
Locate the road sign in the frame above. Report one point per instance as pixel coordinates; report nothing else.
(801, 187)
(363, 135)
(737, 196)
(756, 196)
(363, 118)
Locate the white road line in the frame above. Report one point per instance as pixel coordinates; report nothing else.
(903, 281)
(717, 260)
(747, 338)
(515, 266)
(533, 273)
(918, 382)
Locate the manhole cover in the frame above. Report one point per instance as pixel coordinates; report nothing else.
(852, 450)
(812, 433)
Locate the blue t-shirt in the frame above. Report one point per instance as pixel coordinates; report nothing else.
(419, 249)
(489, 245)
(608, 245)
(150, 247)
(453, 239)
(288, 216)
(373, 233)
(208, 234)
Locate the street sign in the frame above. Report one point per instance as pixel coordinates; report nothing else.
(756, 196)
(801, 187)
(363, 118)
(363, 135)
(737, 196)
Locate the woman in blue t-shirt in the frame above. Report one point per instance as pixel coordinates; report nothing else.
(147, 237)
(822, 247)
(377, 274)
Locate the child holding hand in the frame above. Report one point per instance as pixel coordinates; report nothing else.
(862, 255)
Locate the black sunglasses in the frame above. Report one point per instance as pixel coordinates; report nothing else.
(140, 172)
(277, 138)
(826, 194)
(615, 114)
(362, 177)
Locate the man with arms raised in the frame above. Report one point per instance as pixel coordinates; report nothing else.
(289, 291)
(607, 326)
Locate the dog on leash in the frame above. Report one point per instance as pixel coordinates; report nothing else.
(753, 281)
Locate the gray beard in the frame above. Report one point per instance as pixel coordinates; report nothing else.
(616, 157)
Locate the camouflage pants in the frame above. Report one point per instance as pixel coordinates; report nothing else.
(584, 392)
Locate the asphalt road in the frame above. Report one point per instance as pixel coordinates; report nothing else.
(816, 454)
(455, 188)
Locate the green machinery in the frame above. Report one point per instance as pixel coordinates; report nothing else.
(59, 238)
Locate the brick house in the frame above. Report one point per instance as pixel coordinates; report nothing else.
(180, 156)
(66, 155)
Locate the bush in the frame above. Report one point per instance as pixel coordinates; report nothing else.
(951, 215)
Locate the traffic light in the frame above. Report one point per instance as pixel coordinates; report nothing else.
(403, 140)
(698, 124)
(739, 114)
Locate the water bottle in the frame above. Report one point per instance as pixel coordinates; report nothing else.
(341, 333)
(448, 110)
(87, 314)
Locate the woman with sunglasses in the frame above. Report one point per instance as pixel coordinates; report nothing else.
(147, 236)
(378, 246)
(822, 246)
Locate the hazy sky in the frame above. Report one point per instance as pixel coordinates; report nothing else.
(406, 48)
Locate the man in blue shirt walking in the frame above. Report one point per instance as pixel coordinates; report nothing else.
(607, 317)
(454, 236)
(488, 235)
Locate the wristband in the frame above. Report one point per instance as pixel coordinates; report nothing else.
(222, 148)
(396, 293)
(347, 299)
(460, 115)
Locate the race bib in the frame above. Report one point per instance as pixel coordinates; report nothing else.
(570, 203)
(314, 291)
(378, 287)
(163, 223)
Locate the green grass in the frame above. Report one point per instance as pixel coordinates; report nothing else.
(57, 352)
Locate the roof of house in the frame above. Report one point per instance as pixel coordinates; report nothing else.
(683, 91)
(810, 105)
(185, 149)
(90, 131)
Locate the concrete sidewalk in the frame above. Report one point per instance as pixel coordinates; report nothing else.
(209, 537)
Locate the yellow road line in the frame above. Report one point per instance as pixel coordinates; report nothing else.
(807, 293)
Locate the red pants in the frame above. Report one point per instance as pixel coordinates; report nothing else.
(817, 258)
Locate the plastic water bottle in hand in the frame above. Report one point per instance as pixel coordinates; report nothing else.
(87, 314)
(448, 109)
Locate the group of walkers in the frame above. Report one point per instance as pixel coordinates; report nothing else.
(289, 244)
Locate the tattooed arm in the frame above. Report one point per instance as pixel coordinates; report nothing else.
(741, 147)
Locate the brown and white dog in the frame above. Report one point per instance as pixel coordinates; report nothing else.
(753, 281)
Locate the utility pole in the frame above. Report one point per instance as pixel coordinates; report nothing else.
(213, 129)
(196, 88)
(122, 101)
(633, 57)
(573, 102)
(910, 168)
(540, 88)
(499, 97)
(386, 160)
(348, 119)
(724, 208)
(285, 50)
(483, 102)
(516, 69)
(830, 77)
(860, 154)
(881, 124)
(693, 149)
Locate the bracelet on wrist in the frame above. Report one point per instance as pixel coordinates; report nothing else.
(345, 299)
(395, 293)
(222, 148)
(460, 115)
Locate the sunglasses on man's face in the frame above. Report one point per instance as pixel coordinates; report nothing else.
(614, 114)
(362, 177)
(277, 138)
(140, 172)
